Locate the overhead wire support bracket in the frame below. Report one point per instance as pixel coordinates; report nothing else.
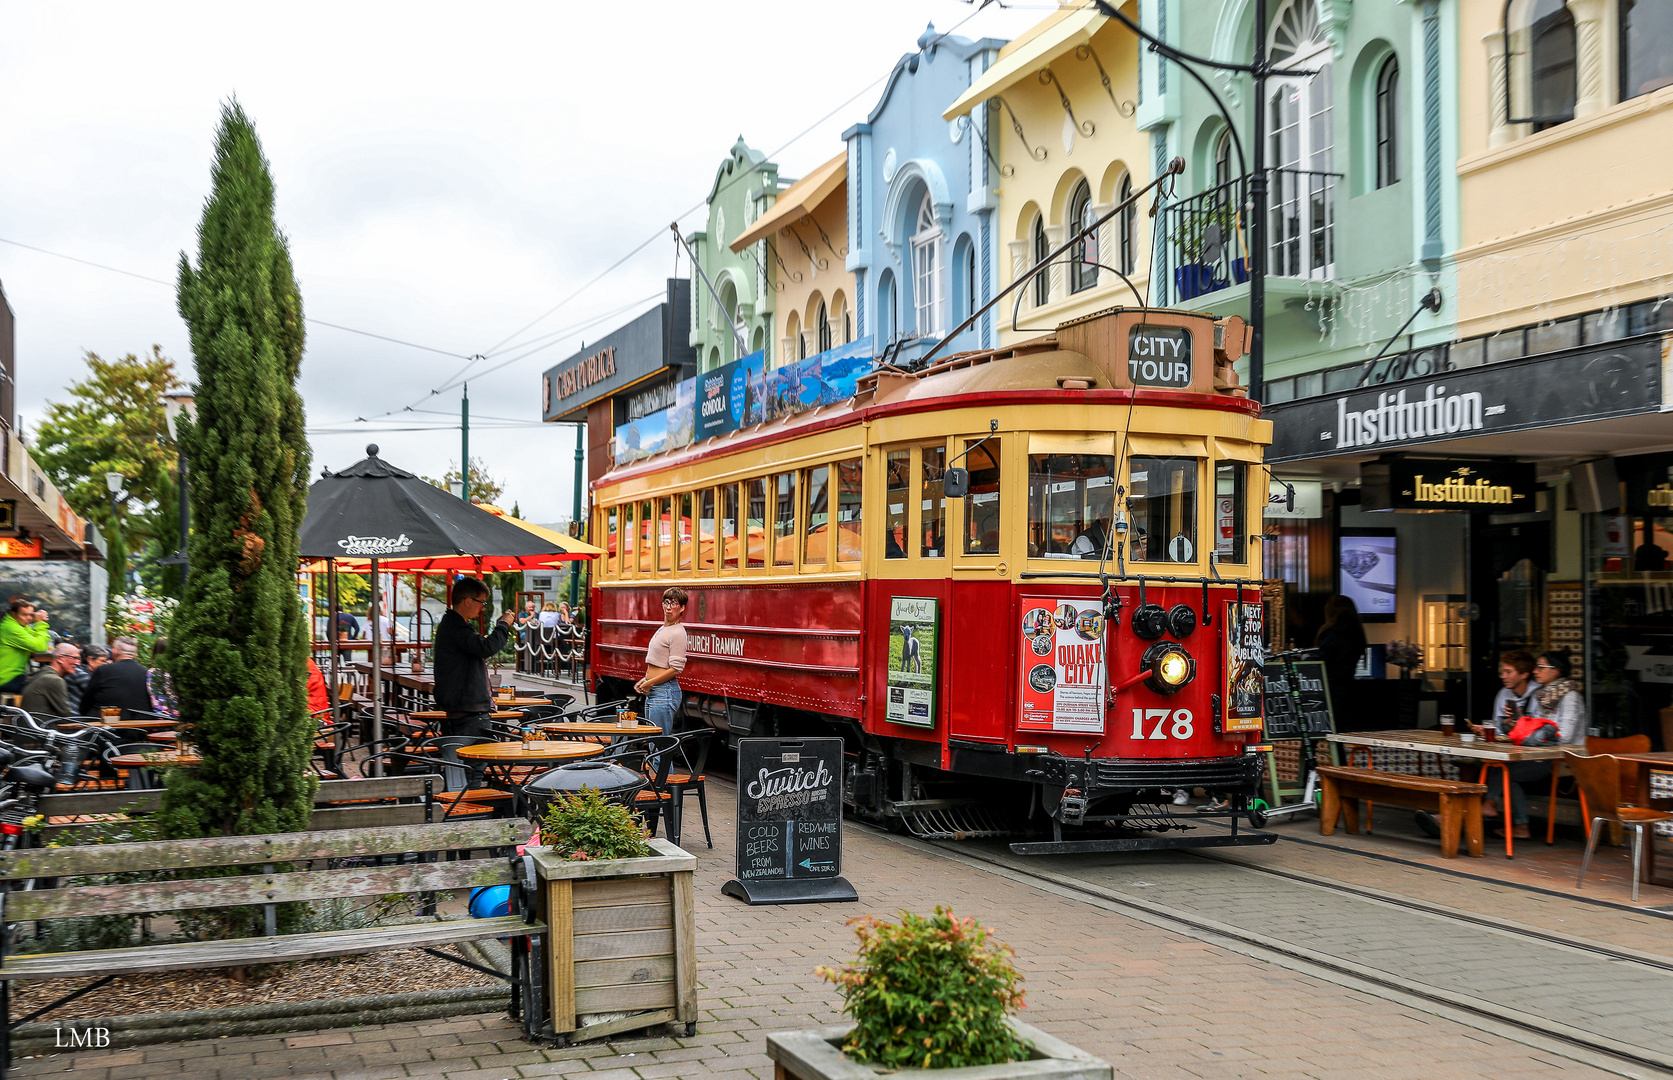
(737, 334)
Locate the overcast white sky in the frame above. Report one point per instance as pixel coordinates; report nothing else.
(445, 172)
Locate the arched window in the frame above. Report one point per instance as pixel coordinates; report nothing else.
(823, 322)
(1126, 220)
(1042, 248)
(1302, 212)
(1223, 159)
(1083, 271)
(1540, 74)
(886, 314)
(926, 270)
(1646, 46)
(1388, 123)
(970, 302)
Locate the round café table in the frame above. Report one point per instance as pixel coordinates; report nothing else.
(508, 765)
(521, 702)
(163, 736)
(155, 758)
(617, 731)
(157, 724)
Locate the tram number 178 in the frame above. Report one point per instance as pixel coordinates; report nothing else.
(1163, 723)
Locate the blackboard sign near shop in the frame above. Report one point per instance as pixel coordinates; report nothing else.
(789, 823)
(1297, 701)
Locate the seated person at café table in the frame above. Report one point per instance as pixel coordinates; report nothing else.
(121, 684)
(1554, 697)
(461, 659)
(1516, 671)
(92, 658)
(24, 634)
(46, 692)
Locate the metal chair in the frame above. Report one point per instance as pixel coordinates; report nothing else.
(462, 791)
(656, 755)
(1599, 777)
(140, 778)
(691, 758)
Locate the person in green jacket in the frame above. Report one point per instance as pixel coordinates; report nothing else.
(23, 634)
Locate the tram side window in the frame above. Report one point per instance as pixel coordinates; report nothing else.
(756, 495)
(897, 491)
(784, 519)
(933, 537)
(685, 530)
(1163, 498)
(729, 526)
(612, 542)
(981, 506)
(665, 535)
(706, 529)
(1231, 541)
(1071, 499)
(816, 528)
(647, 536)
(850, 474)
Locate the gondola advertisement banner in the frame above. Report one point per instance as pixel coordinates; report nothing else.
(1062, 664)
(914, 645)
(1244, 682)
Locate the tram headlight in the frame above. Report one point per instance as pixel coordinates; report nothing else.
(1170, 667)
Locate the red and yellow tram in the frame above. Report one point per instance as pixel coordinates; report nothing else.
(1020, 581)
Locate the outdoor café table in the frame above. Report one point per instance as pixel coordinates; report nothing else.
(1498, 754)
(502, 761)
(154, 758)
(163, 736)
(617, 730)
(1648, 762)
(521, 702)
(156, 724)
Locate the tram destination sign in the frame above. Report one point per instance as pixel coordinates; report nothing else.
(1159, 356)
(789, 844)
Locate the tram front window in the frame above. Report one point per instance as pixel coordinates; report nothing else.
(1071, 498)
(1230, 540)
(899, 486)
(981, 506)
(1163, 497)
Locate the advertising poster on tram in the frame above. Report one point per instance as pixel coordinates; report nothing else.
(1062, 664)
(914, 645)
(1245, 685)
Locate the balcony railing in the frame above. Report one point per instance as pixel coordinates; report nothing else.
(1205, 239)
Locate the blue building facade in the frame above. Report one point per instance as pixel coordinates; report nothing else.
(921, 201)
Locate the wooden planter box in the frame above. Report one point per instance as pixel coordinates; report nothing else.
(620, 952)
(816, 1054)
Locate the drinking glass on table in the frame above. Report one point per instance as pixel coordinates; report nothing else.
(1449, 724)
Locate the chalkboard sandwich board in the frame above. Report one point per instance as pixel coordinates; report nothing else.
(1298, 701)
(790, 823)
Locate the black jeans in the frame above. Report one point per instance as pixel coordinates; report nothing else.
(473, 724)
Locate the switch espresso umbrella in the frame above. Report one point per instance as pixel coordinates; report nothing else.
(375, 511)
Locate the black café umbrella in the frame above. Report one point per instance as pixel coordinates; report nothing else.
(373, 510)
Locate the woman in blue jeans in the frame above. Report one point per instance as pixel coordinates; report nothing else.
(664, 661)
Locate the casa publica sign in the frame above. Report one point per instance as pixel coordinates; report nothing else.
(578, 376)
(1503, 487)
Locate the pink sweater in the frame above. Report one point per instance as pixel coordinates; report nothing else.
(667, 648)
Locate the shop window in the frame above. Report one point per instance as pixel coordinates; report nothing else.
(1162, 493)
(932, 537)
(784, 519)
(647, 537)
(729, 526)
(1071, 498)
(816, 522)
(1649, 317)
(756, 535)
(612, 542)
(1646, 46)
(1471, 353)
(1279, 391)
(1505, 346)
(850, 494)
(981, 505)
(1042, 248)
(1388, 123)
(1601, 326)
(1554, 336)
(1083, 272)
(684, 535)
(706, 529)
(1231, 541)
(897, 489)
(665, 535)
(1309, 385)
(1343, 378)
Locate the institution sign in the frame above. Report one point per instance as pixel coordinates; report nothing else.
(1542, 391)
(1447, 484)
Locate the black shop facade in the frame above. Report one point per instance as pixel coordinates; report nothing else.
(1524, 504)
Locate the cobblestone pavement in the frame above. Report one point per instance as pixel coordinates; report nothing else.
(1156, 1003)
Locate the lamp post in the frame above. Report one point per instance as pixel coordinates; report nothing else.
(119, 547)
(178, 404)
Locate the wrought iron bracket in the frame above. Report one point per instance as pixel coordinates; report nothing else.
(1049, 78)
(1125, 108)
(1038, 153)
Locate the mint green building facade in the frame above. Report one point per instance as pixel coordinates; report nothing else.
(740, 286)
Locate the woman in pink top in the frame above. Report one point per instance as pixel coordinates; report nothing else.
(664, 661)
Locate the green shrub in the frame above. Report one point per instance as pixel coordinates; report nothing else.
(929, 993)
(585, 826)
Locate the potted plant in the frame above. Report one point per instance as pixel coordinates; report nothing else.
(620, 950)
(928, 993)
(1197, 228)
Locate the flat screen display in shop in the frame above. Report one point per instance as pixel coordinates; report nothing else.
(1366, 564)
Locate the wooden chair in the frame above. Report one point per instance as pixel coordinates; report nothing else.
(1632, 744)
(1599, 777)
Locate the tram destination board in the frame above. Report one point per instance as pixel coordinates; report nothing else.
(1297, 700)
(789, 823)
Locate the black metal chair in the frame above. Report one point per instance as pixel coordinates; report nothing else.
(691, 758)
(463, 793)
(362, 756)
(655, 755)
(140, 777)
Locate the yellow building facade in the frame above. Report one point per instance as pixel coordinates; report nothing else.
(1060, 101)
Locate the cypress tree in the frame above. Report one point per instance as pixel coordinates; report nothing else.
(239, 647)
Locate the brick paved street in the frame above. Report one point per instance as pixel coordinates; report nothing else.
(1155, 1002)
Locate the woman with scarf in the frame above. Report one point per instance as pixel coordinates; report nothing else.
(1555, 697)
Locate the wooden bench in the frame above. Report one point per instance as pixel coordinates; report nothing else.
(261, 885)
(1457, 804)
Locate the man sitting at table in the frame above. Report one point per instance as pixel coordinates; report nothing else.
(120, 684)
(461, 659)
(45, 693)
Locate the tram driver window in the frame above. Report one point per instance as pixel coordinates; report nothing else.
(897, 489)
(1071, 498)
(1162, 493)
(850, 491)
(933, 536)
(1231, 541)
(981, 506)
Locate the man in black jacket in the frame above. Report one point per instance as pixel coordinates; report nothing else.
(120, 684)
(461, 658)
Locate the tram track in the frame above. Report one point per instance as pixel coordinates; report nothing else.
(1598, 1048)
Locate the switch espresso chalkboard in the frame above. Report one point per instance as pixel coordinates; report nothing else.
(789, 823)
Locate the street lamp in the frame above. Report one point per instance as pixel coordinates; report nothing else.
(179, 404)
(113, 482)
